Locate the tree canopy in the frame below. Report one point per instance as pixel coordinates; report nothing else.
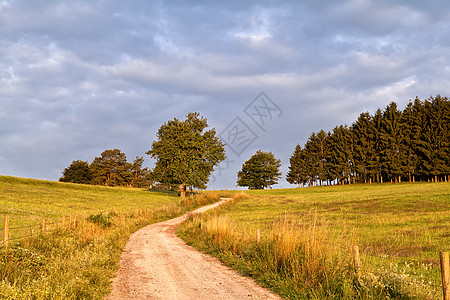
(77, 172)
(111, 168)
(260, 171)
(391, 144)
(186, 153)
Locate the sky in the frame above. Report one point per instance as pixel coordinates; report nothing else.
(81, 77)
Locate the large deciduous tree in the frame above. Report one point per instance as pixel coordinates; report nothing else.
(260, 171)
(185, 153)
(77, 172)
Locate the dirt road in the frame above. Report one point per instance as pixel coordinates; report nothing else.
(156, 264)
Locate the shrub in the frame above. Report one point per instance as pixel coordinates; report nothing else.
(100, 219)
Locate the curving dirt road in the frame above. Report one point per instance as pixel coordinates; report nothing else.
(156, 264)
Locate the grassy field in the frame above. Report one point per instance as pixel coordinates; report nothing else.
(27, 201)
(399, 228)
(77, 260)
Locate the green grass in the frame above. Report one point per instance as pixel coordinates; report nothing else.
(77, 260)
(399, 228)
(27, 201)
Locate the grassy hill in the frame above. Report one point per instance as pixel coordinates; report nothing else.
(75, 260)
(410, 220)
(399, 228)
(26, 201)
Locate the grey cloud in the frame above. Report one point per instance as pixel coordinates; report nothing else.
(77, 78)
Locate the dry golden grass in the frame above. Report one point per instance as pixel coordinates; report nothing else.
(307, 236)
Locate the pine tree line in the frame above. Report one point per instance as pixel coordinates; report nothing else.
(391, 145)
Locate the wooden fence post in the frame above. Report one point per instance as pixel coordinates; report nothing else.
(43, 226)
(445, 270)
(356, 260)
(6, 231)
(258, 235)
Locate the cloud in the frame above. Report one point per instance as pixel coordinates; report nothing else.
(77, 78)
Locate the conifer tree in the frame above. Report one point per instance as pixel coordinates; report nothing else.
(411, 120)
(434, 142)
(139, 176)
(341, 156)
(322, 151)
(110, 168)
(376, 164)
(297, 171)
(312, 160)
(416, 140)
(393, 153)
(364, 146)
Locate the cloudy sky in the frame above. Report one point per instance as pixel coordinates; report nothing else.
(80, 77)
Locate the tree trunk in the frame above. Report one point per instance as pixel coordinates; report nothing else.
(183, 190)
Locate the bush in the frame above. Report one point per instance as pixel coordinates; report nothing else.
(100, 219)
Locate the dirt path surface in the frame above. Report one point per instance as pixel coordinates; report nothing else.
(156, 264)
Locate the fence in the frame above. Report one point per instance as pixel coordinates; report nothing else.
(32, 230)
(358, 266)
(67, 222)
(44, 228)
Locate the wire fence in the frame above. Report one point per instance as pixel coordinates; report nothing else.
(444, 265)
(44, 227)
(26, 231)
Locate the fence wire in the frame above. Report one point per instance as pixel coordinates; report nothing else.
(384, 257)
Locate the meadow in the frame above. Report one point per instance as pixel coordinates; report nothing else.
(306, 236)
(77, 259)
(26, 201)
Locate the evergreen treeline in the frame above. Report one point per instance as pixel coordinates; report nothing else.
(111, 168)
(391, 145)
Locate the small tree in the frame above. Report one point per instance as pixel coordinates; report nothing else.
(186, 154)
(260, 171)
(77, 172)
